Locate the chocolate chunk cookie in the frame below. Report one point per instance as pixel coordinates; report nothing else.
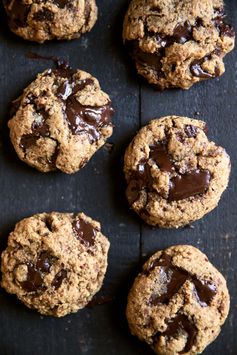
(178, 302)
(174, 174)
(178, 43)
(61, 120)
(50, 19)
(55, 262)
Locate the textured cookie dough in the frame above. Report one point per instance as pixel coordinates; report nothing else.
(55, 262)
(178, 302)
(177, 43)
(174, 174)
(40, 21)
(61, 120)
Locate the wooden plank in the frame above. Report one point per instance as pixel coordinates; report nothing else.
(215, 234)
(98, 190)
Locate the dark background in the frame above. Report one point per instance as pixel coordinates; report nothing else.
(98, 189)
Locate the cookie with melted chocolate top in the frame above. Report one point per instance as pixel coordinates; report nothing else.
(50, 19)
(55, 262)
(178, 43)
(178, 302)
(61, 120)
(175, 175)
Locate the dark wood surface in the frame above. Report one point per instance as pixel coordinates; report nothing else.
(98, 189)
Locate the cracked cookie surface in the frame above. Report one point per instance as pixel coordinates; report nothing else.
(38, 20)
(178, 43)
(61, 120)
(55, 262)
(175, 175)
(178, 302)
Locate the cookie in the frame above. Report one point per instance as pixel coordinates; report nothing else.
(177, 43)
(175, 175)
(55, 262)
(61, 120)
(178, 302)
(50, 19)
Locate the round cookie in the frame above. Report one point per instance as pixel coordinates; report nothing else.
(174, 174)
(50, 19)
(177, 43)
(178, 302)
(61, 120)
(55, 262)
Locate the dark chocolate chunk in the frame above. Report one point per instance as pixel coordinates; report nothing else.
(140, 179)
(43, 15)
(27, 141)
(85, 232)
(173, 278)
(18, 13)
(152, 60)
(61, 3)
(40, 127)
(159, 153)
(191, 131)
(59, 277)
(197, 70)
(182, 33)
(34, 279)
(195, 182)
(204, 291)
(87, 119)
(223, 28)
(44, 262)
(178, 325)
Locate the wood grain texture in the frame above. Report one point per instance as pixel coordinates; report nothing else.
(98, 189)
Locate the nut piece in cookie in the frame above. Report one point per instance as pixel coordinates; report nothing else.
(175, 175)
(61, 119)
(55, 262)
(50, 19)
(178, 302)
(177, 43)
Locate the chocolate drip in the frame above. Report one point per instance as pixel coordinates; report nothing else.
(195, 182)
(85, 232)
(177, 326)
(173, 278)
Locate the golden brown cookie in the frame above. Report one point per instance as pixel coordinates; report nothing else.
(178, 43)
(61, 120)
(175, 175)
(55, 262)
(39, 21)
(178, 302)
